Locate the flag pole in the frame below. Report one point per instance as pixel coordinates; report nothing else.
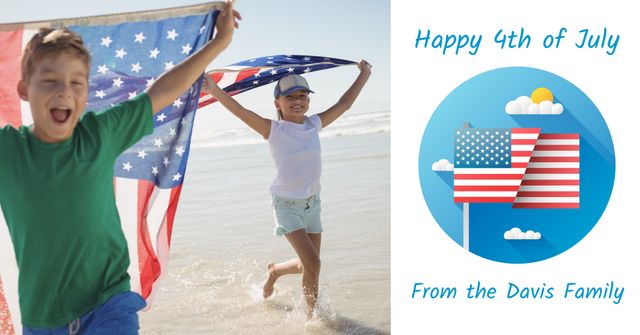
(465, 217)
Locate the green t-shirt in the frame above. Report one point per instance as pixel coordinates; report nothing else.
(59, 204)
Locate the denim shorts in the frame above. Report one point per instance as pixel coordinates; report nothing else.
(295, 214)
(118, 315)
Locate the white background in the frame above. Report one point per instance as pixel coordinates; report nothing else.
(422, 252)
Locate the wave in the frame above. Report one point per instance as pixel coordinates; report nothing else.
(347, 125)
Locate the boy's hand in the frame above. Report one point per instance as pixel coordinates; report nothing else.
(227, 22)
(364, 67)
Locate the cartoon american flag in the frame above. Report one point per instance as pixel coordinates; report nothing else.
(129, 51)
(518, 166)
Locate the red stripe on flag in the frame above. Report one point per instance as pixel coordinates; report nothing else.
(557, 147)
(10, 113)
(548, 194)
(521, 153)
(148, 264)
(247, 73)
(485, 188)
(525, 130)
(517, 141)
(487, 176)
(555, 159)
(216, 77)
(6, 325)
(552, 170)
(533, 182)
(559, 136)
(171, 210)
(483, 199)
(546, 205)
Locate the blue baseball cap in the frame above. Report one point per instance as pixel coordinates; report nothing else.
(289, 84)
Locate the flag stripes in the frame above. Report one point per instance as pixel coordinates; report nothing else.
(552, 179)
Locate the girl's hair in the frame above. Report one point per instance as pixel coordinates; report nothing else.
(52, 42)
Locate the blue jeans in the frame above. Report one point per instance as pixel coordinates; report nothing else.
(118, 315)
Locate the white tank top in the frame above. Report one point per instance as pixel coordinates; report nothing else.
(295, 149)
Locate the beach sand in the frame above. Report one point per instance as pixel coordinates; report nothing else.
(223, 240)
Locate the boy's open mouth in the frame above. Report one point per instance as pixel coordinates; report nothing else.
(59, 114)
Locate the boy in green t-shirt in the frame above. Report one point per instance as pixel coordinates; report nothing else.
(57, 193)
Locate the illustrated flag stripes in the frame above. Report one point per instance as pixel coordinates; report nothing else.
(518, 166)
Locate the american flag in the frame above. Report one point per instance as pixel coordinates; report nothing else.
(518, 166)
(129, 51)
(249, 74)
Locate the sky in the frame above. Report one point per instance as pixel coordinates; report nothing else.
(352, 30)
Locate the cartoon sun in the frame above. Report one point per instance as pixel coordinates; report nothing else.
(541, 94)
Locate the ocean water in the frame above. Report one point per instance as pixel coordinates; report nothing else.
(223, 239)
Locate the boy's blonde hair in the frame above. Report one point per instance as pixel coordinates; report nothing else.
(52, 42)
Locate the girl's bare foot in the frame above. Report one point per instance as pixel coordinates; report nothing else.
(267, 289)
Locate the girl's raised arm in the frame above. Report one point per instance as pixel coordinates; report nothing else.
(347, 99)
(253, 120)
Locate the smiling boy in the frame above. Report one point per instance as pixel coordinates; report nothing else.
(57, 193)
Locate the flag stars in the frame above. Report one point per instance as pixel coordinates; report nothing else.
(168, 66)
(140, 37)
(257, 75)
(307, 70)
(186, 49)
(106, 41)
(132, 95)
(177, 103)
(154, 53)
(172, 34)
(180, 151)
(177, 176)
(100, 94)
(120, 53)
(157, 142)
(172, 132)
(136, 67)
(154, 170)
(150, 81)
(160, 117)
(274, 71)
(202, 29)
(118, 82)
(142, 154)
(103, 69)
(290, 70)
(165, 161)
(127, 166)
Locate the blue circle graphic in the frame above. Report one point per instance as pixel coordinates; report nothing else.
(480, 102)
